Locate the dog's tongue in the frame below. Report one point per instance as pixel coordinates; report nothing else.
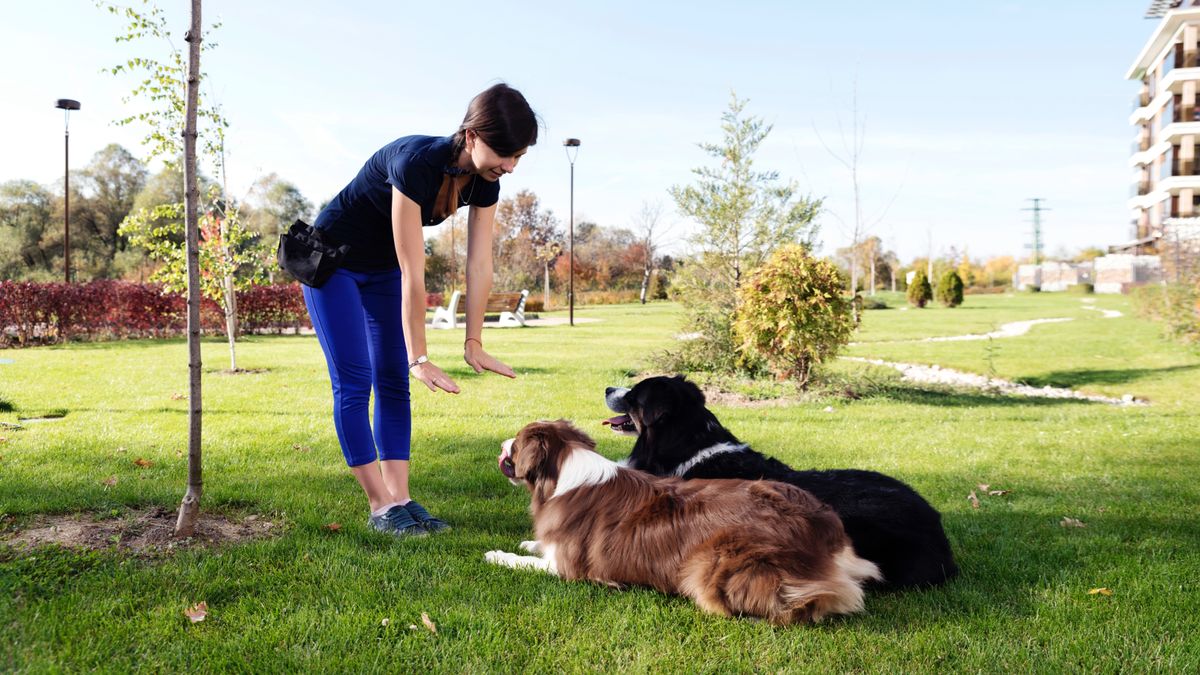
(617, 421)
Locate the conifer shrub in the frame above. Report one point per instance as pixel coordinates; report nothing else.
(950, 289)
(919, 291)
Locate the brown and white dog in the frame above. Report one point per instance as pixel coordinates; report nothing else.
(736, 547)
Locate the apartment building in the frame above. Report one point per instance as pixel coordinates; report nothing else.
(1166, 149)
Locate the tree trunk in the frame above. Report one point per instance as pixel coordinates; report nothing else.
(645, 283)
(185, 525)
(546, 285)
(231, 322)
(872, 292)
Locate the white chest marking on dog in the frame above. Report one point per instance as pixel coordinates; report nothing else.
(718, 449)
(583, 467)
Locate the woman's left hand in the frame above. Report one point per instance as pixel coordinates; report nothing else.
(480, 360)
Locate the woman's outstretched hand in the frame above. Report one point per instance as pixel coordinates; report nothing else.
(480, 360)
(433, 377)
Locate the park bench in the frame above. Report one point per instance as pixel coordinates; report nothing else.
(511, 307)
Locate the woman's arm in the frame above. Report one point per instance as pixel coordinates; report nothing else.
(410, 252)
(479, 284)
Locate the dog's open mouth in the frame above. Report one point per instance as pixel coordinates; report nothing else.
(621, 424)
(505, 460)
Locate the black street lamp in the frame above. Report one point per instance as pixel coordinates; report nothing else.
(67, 105)
(572, 147)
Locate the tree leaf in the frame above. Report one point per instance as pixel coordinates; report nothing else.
(1071, 522)
(428, 623)
(1100, 591)
(111, 481)
(973, 499)
(333, 527)
(197, 612)
(143, 463)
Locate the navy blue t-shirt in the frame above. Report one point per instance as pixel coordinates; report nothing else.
(361, 214)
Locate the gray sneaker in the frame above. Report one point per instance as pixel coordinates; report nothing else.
(423, 517)
(397, 521)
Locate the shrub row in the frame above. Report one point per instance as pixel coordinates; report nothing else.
(45, 313)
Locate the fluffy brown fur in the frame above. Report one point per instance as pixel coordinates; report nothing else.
(736, 547)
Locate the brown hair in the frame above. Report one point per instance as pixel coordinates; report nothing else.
(502, 119)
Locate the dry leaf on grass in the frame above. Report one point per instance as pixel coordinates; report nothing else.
(111, 481)
(1100, 591)
(385, 622)
(301, 448)
(176, 396)
(973, 499)
(983, 487)
(197, 612)
(428, 623)
(143, 463)
(1071, 522)
(998, 493)
(333, 527)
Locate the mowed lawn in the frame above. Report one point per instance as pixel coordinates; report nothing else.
(312, 599)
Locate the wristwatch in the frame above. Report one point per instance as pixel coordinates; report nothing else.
(419, 360)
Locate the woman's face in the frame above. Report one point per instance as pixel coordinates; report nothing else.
(488, 163)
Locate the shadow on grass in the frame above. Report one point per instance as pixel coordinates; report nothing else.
(1076, 378)
(957, 398)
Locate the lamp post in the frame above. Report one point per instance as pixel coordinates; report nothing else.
(67, 105)
(572, 147)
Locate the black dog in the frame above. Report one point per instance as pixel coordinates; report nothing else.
(888, 522)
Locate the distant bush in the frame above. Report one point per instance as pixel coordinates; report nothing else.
(919, 291)
(1177, 306)
(792, 314)
(1033, 289)
(1081, 289)
(950, 289)
(873, 303)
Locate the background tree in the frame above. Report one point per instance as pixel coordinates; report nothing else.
(999, 271)
(162, 86)
(859, 225)
(110, 184)
(522, 228)
(743, 216)
(270, 208)
(648, 226)
(30, 240)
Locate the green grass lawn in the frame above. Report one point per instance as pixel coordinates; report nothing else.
(311, 599)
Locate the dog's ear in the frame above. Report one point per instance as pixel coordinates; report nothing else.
(535, 452)
(690, 392)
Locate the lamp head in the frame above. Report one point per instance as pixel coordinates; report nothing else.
(571, 142)
(67, 104)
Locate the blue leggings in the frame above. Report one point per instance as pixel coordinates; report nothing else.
(356, 316)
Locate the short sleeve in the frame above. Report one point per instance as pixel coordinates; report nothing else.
(412, 177)
(485, 193)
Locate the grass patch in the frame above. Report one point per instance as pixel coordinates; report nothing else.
(314, 599)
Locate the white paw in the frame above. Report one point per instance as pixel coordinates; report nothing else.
(498, 557)
(534, 547)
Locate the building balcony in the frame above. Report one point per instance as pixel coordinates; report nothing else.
(1175, 131)
(1146, 156)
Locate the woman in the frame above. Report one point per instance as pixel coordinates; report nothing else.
(370, 315)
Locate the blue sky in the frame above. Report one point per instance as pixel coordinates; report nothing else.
(970, 108)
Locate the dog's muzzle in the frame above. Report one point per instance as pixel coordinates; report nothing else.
(505, 460)
(614, 398)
